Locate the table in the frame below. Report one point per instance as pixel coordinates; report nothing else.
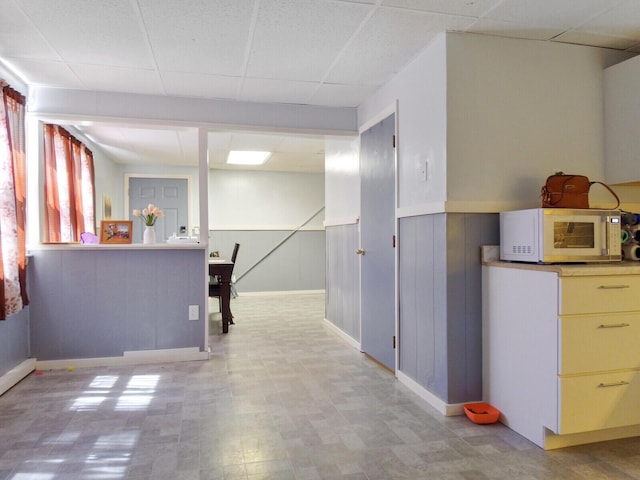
(223, 270)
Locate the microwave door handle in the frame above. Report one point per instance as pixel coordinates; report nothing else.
(605, 234)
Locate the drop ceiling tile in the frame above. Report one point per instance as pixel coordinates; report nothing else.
(622, 21)
(548, 13)
(321, 52)
(589, 38)
(334, 95)
(103, 134)
(188, 142)
(123, 157)
(513, 30)
(217, 158)
(456, 7)
(300, 39)
(91, 31)
(388, 41)
(276, 91)
(255, 141)
(310, 163)
(200, 37)
(45, 73)
(635, 48)
(155, 146)
(115, 79)
(302, 145)
(19, 38)
(200, 85)
(219, 140)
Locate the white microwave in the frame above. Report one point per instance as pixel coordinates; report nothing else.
(560, 235)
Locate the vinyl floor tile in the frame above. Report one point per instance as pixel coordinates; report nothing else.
(281, 397)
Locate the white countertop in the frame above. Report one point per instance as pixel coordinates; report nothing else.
(575, 269)
(129, 246)
(490, 257)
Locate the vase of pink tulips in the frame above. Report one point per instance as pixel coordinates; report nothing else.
(149, 216)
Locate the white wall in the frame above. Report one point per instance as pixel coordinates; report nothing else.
(107, 181)
(420, 89)
(342, 181)
(492, 117)
(261, 211)
(264, 200)
(519, 110)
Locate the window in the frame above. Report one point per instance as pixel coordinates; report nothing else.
(69, 186)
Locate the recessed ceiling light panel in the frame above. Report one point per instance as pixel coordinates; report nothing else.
(240, 157)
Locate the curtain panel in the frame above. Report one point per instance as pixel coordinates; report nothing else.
(13, 285)
(69, 186)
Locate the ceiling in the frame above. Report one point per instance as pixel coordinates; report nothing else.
(313, 52)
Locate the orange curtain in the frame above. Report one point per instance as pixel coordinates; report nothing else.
(13, 285)
(88, 190)
(69, 186)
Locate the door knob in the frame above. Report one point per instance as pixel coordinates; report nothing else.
(360, 251)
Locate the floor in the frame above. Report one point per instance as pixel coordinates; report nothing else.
(282, 397)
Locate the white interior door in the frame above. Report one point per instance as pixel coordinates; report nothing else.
(377, 230)
(170, 195)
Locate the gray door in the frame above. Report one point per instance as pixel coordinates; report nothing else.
(170, 195)
(377, 229)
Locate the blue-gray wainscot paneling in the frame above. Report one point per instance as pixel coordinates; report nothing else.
(440, 326)
(297, 263)
(343, 279)
(14, 340)
(101, 303)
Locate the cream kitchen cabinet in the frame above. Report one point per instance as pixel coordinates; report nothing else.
(561, 350)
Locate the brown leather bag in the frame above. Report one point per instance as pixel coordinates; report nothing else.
(569, 191)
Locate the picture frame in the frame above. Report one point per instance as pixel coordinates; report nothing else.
(116, 231)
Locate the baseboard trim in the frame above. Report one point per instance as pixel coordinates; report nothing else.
(446, 409)
(13, 376)
(342, 334)
(278, 292)
(553, 441)
(140, 357)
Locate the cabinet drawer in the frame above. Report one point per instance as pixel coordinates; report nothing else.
(613, 293)
(596, 343)
(595, 402)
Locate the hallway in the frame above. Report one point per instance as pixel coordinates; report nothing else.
(281, 398)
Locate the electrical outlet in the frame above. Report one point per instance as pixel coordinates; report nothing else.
(194, 312)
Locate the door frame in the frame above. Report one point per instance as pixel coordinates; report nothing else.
(128, 176)
(391, 109)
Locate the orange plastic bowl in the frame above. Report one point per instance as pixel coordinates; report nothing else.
(482, 413)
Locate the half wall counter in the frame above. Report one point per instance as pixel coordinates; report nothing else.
(116, 304)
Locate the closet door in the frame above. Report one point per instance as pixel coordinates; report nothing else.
(377, 230)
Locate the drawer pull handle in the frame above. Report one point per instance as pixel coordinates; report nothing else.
(614, 325)
(617, 384)
(613, 287)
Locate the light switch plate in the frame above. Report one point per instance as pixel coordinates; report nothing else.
(194, 312)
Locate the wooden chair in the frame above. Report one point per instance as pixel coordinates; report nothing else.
(214, 284)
